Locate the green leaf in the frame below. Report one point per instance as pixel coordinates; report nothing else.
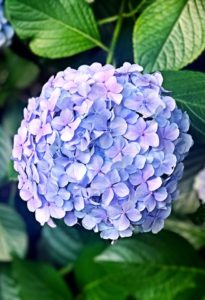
(5, 153)
(12, 174)
(18, 72)
(62, 245)
(8, 288)
(13, 239)
(154, 267)
(169, 34)
(85, 266)
(12, 117)
(55, 29)
(192, 233)
(39, 282)
(199, 216)
(188, 202)
(186, 205)
(188, 89)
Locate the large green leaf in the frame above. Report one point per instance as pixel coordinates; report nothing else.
(147, 267)
(16, 73)
(62, 245)
(169, 34)
(188, 202)
(188, 89)
(39, 282)
(86, 269)
(191, 232)
(8, 288)
(20, 72)
(55, 29)
(13, 239)
(24, 280)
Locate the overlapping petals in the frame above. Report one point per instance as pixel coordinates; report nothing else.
(102, 147)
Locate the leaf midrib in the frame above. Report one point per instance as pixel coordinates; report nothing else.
(188, 103)
(74, 29)
(193, 112)
(156, 266)
(169, 34)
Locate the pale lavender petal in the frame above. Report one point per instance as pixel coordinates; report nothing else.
(111, 234)
(161, 194)
(89, 222)
(134, 215)
(118, 126)
(33, 204)
(70, 219)
(56, 212)
(154, 184)
(67, 134)
(106, 141)
(121, 189)
(76, 172)
(132, 149)
(34, 126)
(79, 203)
(42, 214)
(26, 194)
(107, 197)
(122, 223)
(100, 183)
(157, 225)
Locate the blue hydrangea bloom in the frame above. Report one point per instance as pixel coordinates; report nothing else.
(6, 31)
(102, 147)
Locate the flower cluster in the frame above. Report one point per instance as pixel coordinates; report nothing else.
(102, 147)
(6, 31)
(199, 185)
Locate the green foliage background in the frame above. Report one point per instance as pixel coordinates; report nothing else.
(69, 263)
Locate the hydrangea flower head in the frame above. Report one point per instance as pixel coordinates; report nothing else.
(6, 31)
(102, 147)
(199, 185)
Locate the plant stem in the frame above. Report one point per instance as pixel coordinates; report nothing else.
(116, 34)
(102, 46)
(124, 15)
(65, 270)
(108, 20)
(134, 11)
(130, 9)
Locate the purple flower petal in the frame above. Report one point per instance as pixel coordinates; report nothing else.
(76, 172)
(89, 222)
(121, 189)
(34, 126)
(33, 204)
(70, 219)
(118, 126)
(134, 215)
(122, 223)
(106, 141)
(107, 197)
(42, 214)
(154, 184)
(131, 149)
